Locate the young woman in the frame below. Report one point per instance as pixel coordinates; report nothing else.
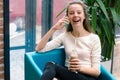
(78, 38)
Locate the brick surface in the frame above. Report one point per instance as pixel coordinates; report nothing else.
(1, 67)
(1, 45)
(1, 37)
(1, 30)
(1, 60)
(1, 42)
(1, 22)
(1, 75)
(1, 14)
(1, 5)
(1, 53)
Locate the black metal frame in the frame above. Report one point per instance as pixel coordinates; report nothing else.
(6, 40)
(30, 25)
(47, 15)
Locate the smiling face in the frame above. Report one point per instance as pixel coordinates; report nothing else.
(76, 14)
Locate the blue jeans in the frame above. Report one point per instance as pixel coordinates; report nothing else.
(53, 70)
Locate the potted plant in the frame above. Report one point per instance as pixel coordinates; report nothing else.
(104, 18)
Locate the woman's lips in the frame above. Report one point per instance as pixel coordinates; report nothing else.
(76, 20)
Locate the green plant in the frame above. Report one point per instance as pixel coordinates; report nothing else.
(104, 18)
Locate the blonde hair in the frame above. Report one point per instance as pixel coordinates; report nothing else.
(86, 22)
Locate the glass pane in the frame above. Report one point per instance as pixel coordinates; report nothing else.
(17, 38)
(38, 19)
(17, 22)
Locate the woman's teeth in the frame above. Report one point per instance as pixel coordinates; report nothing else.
(76, 20)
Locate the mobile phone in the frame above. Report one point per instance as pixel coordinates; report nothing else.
(66, 25)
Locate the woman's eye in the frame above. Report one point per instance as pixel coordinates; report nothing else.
(71, 13)
(79, 12)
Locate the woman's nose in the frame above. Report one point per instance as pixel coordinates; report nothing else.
(75, 14)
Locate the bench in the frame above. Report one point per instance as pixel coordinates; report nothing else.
(35, 63)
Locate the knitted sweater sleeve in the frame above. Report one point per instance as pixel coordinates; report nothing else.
(54, 43)
(96, 53)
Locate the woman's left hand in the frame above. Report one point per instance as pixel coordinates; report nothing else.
(74, 64)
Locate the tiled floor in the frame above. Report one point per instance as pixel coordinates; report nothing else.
(116, 64)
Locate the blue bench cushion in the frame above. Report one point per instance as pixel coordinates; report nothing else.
(35, 63)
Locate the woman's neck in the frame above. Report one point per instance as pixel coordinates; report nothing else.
(76, 33)
(79, 31)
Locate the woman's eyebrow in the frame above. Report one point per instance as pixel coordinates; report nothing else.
(73, 10)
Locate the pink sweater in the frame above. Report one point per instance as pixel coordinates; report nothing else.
(87, 47)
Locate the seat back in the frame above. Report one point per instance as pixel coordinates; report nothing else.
(105, 74)
(56, 55)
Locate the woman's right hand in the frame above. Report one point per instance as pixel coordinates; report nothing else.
(61, 23)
